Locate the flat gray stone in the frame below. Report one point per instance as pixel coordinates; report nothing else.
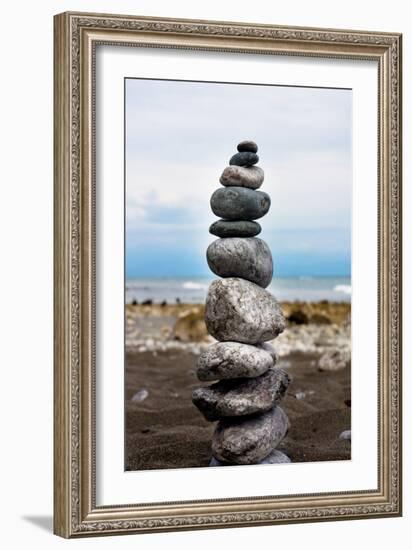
(246, 158)
(270, 349)
(240, 228)
(242, 176)
(232, 360)
(247, 145)
(240, 311)
(275, 457)
(247, 258)
(242, 396)
(239, 203)
(248, 440)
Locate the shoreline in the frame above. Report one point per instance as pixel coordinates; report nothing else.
(311, 327)
(165, 430)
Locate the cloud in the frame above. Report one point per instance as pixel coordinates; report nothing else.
(180, 136)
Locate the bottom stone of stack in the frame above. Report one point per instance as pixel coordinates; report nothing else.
(249, 440)
(275, 457)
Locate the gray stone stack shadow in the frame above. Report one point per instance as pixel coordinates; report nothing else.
(242, 315)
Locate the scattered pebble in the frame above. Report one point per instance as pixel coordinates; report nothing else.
(140, 396)
(346, 434)
(302, 395)
(333, 360)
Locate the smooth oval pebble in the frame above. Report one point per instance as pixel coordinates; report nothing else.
(239, 203)
(244, 159)
(249, 440)
(232, 360)
(242, 396)
(240, 311)
(233, 228)
(242, 176)
(248, 259)
(247, 145)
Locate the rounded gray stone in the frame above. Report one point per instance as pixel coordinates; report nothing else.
(239, 203)
(242, 396)
(240, 311)
(247, 258)
(246, 158)
(232, 360)
(241, 176)
(247, 145)
(227, 229)
(248, 440)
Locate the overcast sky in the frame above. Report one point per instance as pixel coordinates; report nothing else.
(181, 135)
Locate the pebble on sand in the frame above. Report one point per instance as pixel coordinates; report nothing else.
(346, 434)
(334, 359)
(140, 396)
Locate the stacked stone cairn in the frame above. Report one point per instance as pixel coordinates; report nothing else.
(242, 316)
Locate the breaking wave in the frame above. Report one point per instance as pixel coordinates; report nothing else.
(190, 285)
(346, 289)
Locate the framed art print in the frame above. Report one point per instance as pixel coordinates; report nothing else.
(227, 274)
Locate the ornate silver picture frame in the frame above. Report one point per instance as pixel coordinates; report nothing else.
(76, 36)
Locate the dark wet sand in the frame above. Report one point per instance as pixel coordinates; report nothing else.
(167, 431)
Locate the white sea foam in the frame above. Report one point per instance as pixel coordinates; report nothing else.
(190, 285)
(346, 289)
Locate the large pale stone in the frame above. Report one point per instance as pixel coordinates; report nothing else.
(239, 203)
(240, 311)
(248, 440)
(242, 176)
(232, 360)
(242, 396)
(248, 258)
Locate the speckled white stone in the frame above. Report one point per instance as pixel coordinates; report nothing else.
(241, 311)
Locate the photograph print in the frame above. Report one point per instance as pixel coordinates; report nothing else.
(237, 274)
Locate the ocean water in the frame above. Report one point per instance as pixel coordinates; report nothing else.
(194, 290)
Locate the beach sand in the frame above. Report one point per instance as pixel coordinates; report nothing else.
(165, 430)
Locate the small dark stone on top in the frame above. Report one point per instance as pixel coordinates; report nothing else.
(246, 158)
(248, 146)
